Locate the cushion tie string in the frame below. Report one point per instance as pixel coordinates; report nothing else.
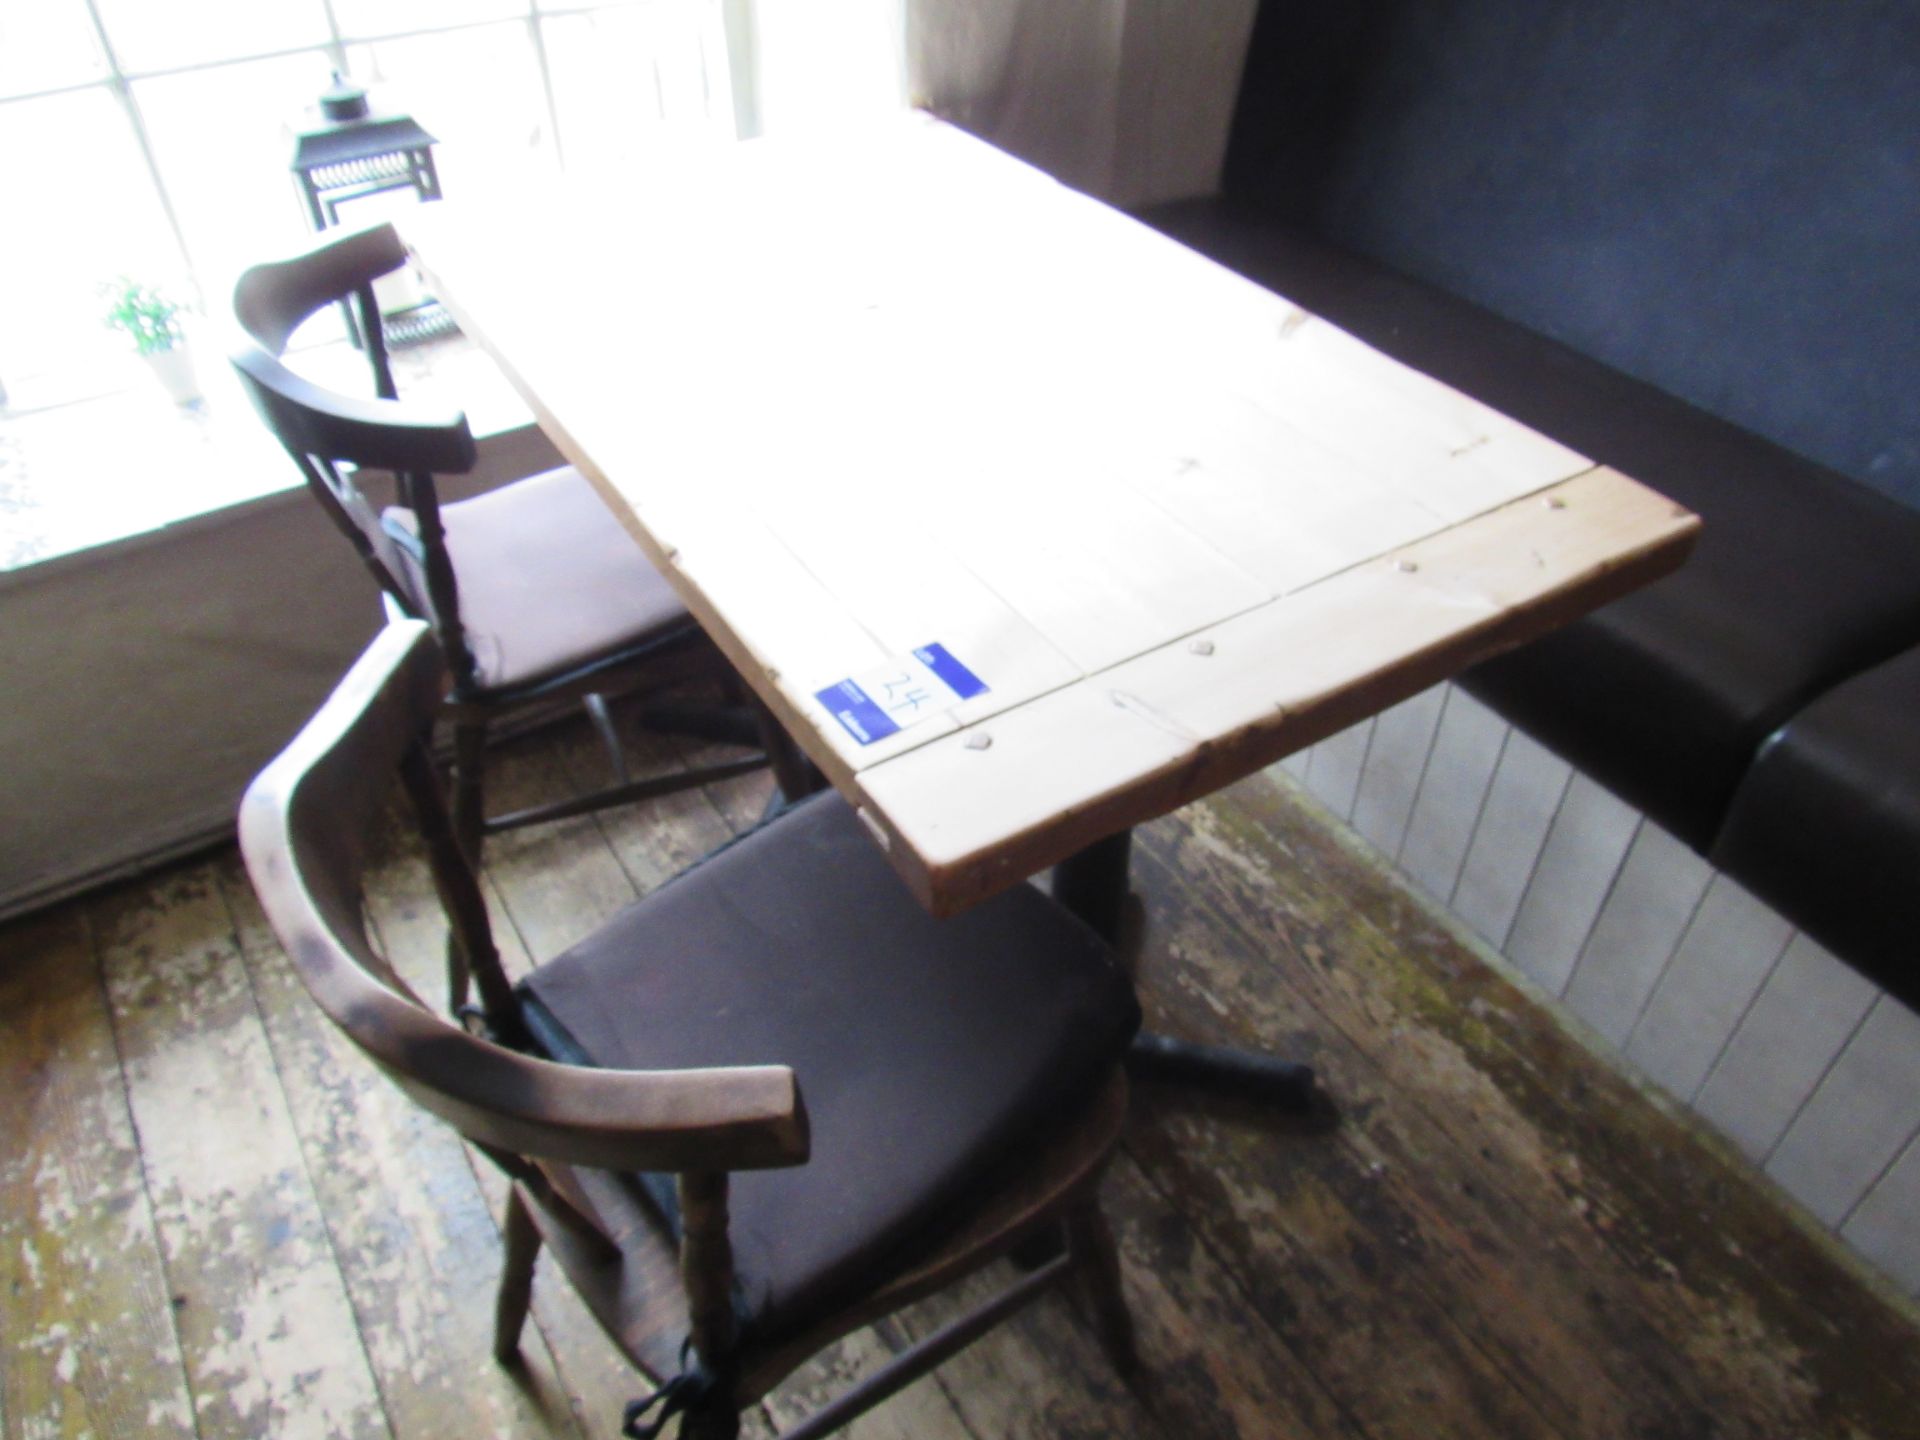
(680, 1394)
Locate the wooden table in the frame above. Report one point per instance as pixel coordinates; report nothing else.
(899, 390)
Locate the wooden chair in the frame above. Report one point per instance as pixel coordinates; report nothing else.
(536, 593)
(770, 1102)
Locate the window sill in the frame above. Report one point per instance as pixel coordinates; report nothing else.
(107, 467)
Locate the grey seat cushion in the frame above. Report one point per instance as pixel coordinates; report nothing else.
(549, 580)
(929, 1052)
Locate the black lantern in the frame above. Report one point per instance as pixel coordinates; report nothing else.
(347, 151)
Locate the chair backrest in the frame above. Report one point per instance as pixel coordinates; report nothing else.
(303, 827)
(331, 435)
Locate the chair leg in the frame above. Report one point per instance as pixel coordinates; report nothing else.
(715, 1418)
(602, 718)
(793, 772)
(1096, 1261)
(469, 787)
(521, 1242)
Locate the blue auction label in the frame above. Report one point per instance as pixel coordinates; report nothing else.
(962, 681)
(903, 691)
(855, 710)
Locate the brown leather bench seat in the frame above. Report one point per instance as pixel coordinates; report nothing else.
(1827, 823)
(1801, 577)
(1680, 240)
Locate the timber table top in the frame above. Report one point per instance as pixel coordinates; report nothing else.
(898, 390)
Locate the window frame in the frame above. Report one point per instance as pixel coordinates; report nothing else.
(120, 82)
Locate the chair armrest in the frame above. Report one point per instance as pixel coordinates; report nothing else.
(327, 784)
(731, 1118)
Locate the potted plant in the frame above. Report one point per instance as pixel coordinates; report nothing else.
(151, 319)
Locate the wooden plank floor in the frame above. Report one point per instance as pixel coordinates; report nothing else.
(215, 1220)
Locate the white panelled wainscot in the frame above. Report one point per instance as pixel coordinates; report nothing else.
(1809, 1069)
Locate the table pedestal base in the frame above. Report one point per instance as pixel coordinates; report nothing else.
(1219, 1069)
(795, 776)
(1092, 883)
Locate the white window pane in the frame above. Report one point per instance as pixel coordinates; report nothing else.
(628, 78)
(221, 140)
(45, 44)
(94, 215)
(367, 19)
(827, 65)
(161, 34)
(568, 7)
(478, 91)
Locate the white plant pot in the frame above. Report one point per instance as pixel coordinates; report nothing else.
(175, 369)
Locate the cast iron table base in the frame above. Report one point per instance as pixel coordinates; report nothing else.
(1092, 883)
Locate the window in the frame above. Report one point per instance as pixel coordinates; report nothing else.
(150, 139)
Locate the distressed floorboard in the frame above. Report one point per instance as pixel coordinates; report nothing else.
(655, 841)
(269, 1337)
(418, 1248)
(1040, 1376)
(87, 1344)
(1503, 1237)
(1453, 1264)
(1580, 1188)
(1331, 1261)
(1186, 1302)
(922, 1411)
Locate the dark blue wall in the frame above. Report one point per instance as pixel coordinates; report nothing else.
(1721, 197)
